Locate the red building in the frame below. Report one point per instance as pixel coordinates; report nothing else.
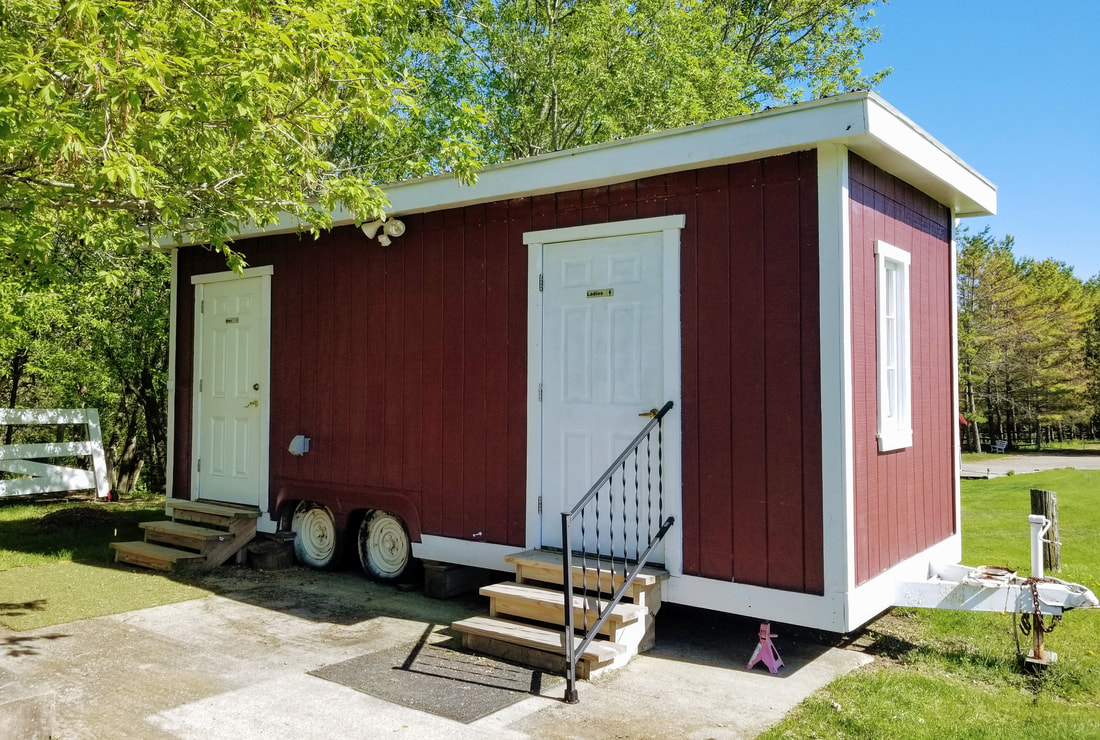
(785, 278)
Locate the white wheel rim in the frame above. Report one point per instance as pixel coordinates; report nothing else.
(387, 545)
(316, 533)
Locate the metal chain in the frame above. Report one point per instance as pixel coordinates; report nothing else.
(1035, 619)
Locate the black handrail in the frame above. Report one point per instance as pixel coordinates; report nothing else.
(574, 650)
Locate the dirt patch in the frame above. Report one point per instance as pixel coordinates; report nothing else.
(81, 518)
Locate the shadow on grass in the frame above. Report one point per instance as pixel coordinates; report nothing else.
(19, 609)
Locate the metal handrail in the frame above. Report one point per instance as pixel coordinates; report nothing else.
(574, 651)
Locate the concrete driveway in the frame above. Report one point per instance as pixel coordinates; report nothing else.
(1031, 462)
(238, 665)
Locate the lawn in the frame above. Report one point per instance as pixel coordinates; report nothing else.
(941, 674)
(56, 565)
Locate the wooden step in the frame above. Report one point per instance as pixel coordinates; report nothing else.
(545, 566)
(180, 534)
(541, 647)
(545, 605)
(210, 507)
(208, 512)
(155, 557)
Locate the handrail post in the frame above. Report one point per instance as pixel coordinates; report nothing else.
(567, 586)
(574, 647)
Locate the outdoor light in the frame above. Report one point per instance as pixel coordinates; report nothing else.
(394, 227)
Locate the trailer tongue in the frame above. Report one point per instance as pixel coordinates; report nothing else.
(993, 589)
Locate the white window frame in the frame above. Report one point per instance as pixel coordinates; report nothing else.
(895, 378)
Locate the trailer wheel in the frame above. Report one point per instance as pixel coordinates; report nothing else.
(384, 548)
(317, 541)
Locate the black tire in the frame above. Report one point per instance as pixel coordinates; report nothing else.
(317, 541)
(385, 549)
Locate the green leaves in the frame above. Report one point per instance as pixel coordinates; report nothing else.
(1023, 339)
(563, 73)
(125, 122)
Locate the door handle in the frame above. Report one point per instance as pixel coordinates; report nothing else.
(649, 414)
(253, 403)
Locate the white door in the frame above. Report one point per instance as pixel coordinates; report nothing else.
(603, 364)
(231, 363)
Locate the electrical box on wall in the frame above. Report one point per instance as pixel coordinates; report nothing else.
(299, 445)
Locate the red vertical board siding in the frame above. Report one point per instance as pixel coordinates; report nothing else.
(519, 221)
(904, 499)
(454, 368)
(421, 386)
(393, 414)
(357, 447)
(748, 374)
(432, 389)
(783, 371)
(412, 402)
(341, 357)
(496, 366)
(473, 376)
(713, 304)
(689, 380)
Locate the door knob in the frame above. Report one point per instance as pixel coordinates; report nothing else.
(253, 403)
(649, 414)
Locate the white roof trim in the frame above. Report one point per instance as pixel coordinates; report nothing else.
(862, 121)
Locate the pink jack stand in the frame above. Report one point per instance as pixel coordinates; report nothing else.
(765, 650)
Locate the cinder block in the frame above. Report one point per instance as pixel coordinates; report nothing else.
(447, 580)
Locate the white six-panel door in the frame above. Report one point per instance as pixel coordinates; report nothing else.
(604, 360)
(231, 394)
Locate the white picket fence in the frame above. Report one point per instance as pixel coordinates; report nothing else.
(46, 478)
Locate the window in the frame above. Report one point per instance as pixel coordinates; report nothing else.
(895, 426)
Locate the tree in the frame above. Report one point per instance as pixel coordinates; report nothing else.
(1024, 342)
(122, 122)
(554, 74)
(76, 340)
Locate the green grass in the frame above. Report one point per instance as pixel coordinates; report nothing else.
(56, 564)
(84, 536)
(945, 674)
(979, 456)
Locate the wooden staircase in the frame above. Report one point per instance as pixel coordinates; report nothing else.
(534, 631)
(200, 535)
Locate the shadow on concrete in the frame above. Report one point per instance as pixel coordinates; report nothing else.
(21, 646)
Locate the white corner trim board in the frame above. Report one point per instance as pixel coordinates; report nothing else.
(835, 295)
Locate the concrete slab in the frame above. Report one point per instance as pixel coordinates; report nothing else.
(237, 665)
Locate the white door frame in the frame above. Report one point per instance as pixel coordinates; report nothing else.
(264, 371)
(536, 241)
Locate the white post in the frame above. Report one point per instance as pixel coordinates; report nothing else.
(1039, 525)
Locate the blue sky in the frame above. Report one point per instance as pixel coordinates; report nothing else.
(1013, 88)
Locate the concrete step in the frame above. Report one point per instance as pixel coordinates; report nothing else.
(154, 557)
(545, 566)
(541, 647)
(546, 605)
(182, 535)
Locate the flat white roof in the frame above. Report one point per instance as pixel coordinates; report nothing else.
(861, 121)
